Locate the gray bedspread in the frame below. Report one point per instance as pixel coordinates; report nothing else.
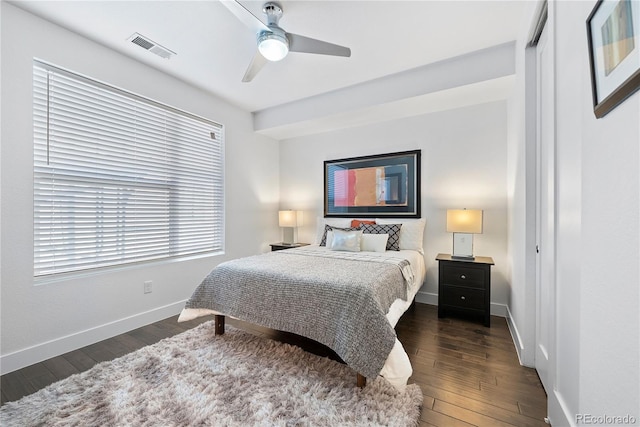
(341, 303)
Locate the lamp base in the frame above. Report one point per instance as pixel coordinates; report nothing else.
(463, 257)
(462, 246)
(288, 237)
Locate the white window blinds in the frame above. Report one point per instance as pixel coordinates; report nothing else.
(120, 179)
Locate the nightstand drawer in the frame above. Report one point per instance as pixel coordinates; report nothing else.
(462, 297)
(463, 276)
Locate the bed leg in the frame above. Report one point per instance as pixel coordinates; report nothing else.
(361, 380)
(218, 321)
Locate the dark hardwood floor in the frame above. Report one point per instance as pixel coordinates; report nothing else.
(469, 374)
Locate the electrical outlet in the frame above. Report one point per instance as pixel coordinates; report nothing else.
(148, 286)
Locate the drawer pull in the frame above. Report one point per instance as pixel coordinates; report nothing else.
(462, 297)
(462, 276)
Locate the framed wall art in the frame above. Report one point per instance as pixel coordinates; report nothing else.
(385, 185)
(613, 31)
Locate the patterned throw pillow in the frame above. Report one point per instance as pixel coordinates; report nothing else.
(411, 233)
(323, 241)
(393, 230)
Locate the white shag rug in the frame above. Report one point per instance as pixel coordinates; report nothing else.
(235, 379)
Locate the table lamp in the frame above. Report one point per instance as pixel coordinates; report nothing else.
(464, 223)
(289, 220)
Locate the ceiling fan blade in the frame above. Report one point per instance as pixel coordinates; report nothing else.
(256, 65)
(304, 44)
(246, 17)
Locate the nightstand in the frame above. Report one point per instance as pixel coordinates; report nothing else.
(464, 286)
(281, 246)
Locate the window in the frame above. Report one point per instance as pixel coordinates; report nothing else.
(119, 179)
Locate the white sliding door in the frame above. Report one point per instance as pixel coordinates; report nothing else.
(545, 221)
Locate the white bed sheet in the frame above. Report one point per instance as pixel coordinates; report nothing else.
(397, 368)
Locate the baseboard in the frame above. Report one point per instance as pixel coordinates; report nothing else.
(559, 414)
(515, 336)
(432, 299)
(28, 356)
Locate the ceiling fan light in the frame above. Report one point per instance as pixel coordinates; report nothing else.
(273, 47)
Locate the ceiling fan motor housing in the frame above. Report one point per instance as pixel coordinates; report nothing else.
(273, 12)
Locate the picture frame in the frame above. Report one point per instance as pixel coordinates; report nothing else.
(613, 33)
(383, 185)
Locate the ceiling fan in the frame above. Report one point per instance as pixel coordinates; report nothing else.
(274, 43)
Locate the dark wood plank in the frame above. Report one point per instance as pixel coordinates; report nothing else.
(41, 381)
(60, 367)
(466, 415)
(160, 333)
(535, 410)
(436, 418)
(510, 416)
(15, 385)
(145, 335)
(80, 360)
(171, 325)
(100, 351)
(117, 347)
(130, 342)
(34, 371)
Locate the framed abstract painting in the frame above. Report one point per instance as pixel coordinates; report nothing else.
(385, 185)
(613, 31)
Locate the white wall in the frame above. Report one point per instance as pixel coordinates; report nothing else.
(463, 165)
(595, 360)
(608, 260)
(45, 320)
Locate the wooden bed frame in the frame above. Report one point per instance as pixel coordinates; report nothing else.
(218, 321)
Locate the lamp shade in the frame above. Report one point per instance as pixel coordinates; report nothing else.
(464, 221)
(289, 218)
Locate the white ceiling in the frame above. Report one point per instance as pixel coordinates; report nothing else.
(214, 48)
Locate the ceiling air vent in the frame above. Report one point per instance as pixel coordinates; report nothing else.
(151, 46)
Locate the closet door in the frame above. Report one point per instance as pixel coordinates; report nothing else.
(545, 219)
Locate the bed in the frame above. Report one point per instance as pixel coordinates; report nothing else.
(348, 300)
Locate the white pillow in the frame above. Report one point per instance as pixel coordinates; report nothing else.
(373, 242)
(329, 238)
(334, 222)
(411, 232)
(346, 240)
